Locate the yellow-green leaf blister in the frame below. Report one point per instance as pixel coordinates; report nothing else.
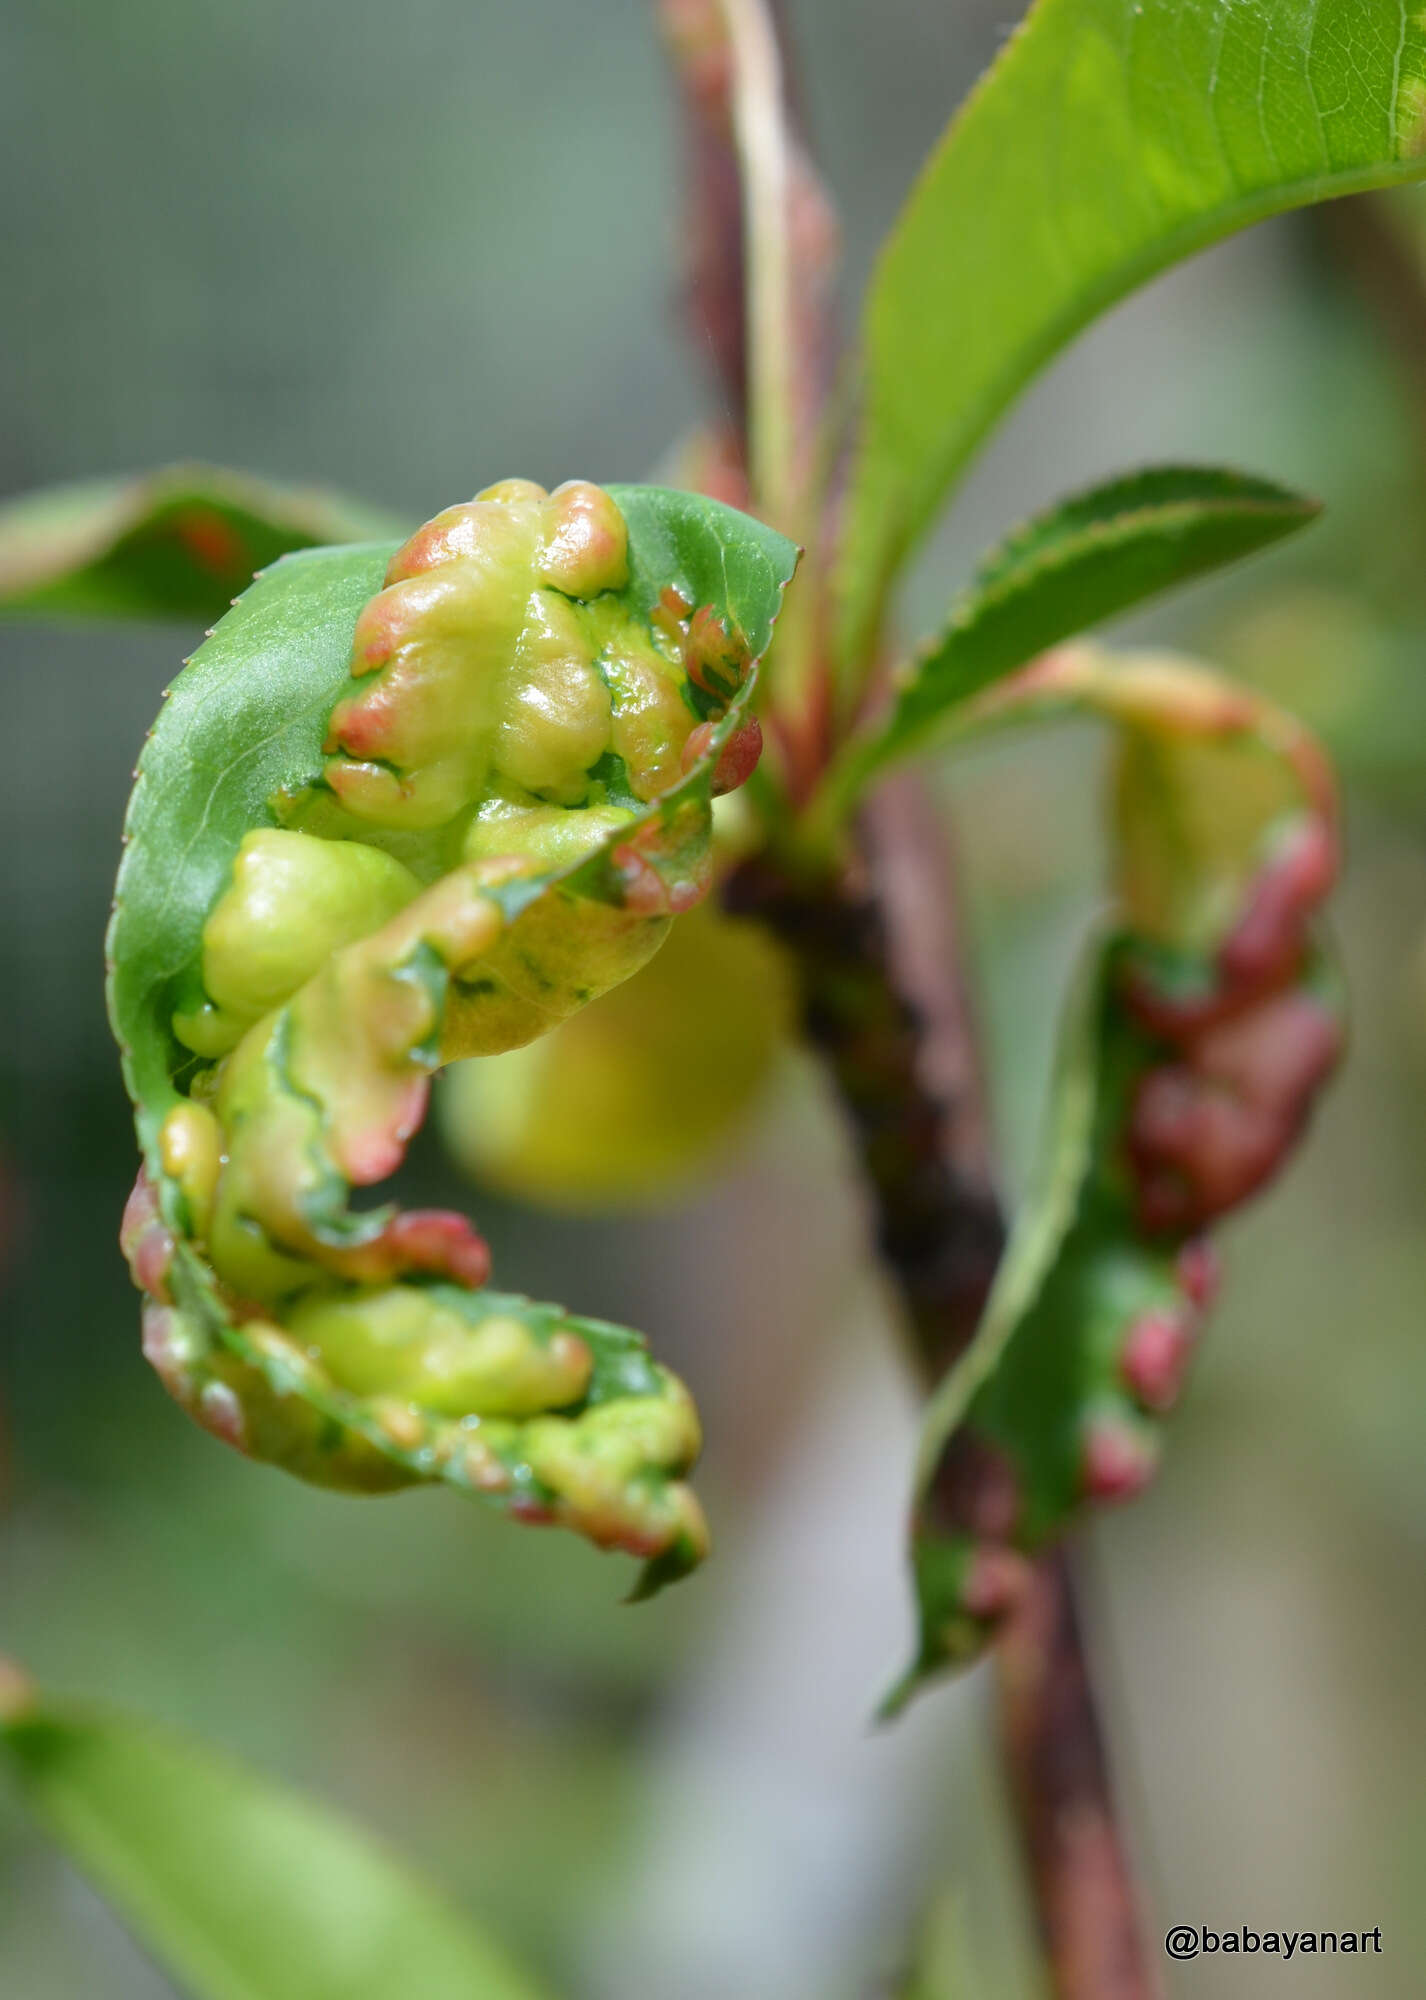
(403, 807)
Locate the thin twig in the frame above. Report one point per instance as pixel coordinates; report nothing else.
(761, 126)
(878, 956)
(714, 283)
(942, 1231)
(1075, 1849)
(884, 1004)
(761, 232)
(1055, 1760)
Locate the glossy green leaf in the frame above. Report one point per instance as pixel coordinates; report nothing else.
(180, 543)
(1110, 139)
(1205, 1019)
(358, 1347)
(1062, 573)
(240, 1889)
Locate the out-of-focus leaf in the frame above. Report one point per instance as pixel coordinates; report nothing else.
(254, 1134)
(1110, 139)
(180, 543)
(1063, 572)
(1205, 1019)
(946, 1967)
(239, 1888)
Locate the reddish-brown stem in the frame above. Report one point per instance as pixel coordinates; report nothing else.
(1056, 1763)
(714, 280)
(942, 1232)
(884, 1003)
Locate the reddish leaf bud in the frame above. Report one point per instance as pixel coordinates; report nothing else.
(1155, 1357)
(1200, 1272)
(1120, 1457)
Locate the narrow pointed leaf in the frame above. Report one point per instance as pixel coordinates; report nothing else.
(178, 543)
(382, 826)
(1205, 1019)
(240, 1889)
(1111, 139)
(1062, 573)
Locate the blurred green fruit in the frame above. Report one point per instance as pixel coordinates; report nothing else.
(634, 1096)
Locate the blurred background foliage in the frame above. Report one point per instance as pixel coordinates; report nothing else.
(409, 254)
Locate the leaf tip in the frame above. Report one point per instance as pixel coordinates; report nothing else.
(898, 1697)
(670, 1565)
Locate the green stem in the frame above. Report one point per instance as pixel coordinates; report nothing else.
(760, 125)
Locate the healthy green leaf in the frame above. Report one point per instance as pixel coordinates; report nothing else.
(1058, 575)
(180, 543)
(375, 830)
(240, 1889)
(1205, 1020)
(1110, 139)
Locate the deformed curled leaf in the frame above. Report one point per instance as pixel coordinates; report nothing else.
(177, 543)
(406, 807)
(1206, 1017)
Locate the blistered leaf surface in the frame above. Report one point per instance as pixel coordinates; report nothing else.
(1205, 1019)
(404, 806)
